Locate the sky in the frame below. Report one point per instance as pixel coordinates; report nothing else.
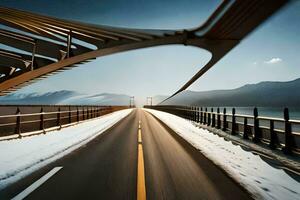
(270, 53)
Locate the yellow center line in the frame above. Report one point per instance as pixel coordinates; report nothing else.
(141, 186)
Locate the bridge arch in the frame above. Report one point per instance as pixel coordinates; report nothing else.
(51, 37)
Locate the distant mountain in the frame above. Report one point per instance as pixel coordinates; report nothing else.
(65, 97)
(272, 94)
(98, 99)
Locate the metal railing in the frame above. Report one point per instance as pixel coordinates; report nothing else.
(277, 133)
(30, 118)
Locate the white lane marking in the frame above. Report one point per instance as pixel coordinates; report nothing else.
(36, 184)
(139, 136)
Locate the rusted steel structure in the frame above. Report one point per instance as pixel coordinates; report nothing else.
(41, 46)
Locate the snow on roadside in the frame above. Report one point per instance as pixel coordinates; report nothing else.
(258, 177)
(19, 157)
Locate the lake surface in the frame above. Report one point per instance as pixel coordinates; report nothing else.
(263, 111)
(266, 112)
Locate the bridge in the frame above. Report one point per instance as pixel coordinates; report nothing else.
(57, 44)
(121, 152)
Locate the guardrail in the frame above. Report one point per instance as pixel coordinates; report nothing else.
(15, 120)
(277, 133)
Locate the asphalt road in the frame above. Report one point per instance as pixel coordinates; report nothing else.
(107, 168)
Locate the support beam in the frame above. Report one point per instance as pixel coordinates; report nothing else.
(69, 44)
(33, 54)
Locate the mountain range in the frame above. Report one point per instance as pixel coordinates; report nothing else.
(263, 94)
(66, 97)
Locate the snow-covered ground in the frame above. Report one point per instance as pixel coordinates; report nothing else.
(19, 157)
(257, 176)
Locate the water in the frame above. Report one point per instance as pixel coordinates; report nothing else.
(263, 111)
(266, 112)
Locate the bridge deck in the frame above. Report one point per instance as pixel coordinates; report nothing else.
(106, 168)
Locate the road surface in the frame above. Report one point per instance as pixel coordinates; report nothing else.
(138, 158)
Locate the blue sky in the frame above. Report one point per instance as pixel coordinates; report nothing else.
(271, 53)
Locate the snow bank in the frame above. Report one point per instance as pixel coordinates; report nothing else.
(257, 176)
(20, 157)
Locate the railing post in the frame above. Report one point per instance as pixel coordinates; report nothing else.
(213, 118)
(288, 133)
(58, 118)
(273, 136)
(83, 114)
(18, 123)
(77, 114)
(218, 118)
(224, 120)
(256, 137)
(208, 119)
(42, 119)
(194, 114)
(245, 134)
(201, 115)
(198, 114)
(205, 115)
(233, 122)
(187, 112)
(70, 119)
